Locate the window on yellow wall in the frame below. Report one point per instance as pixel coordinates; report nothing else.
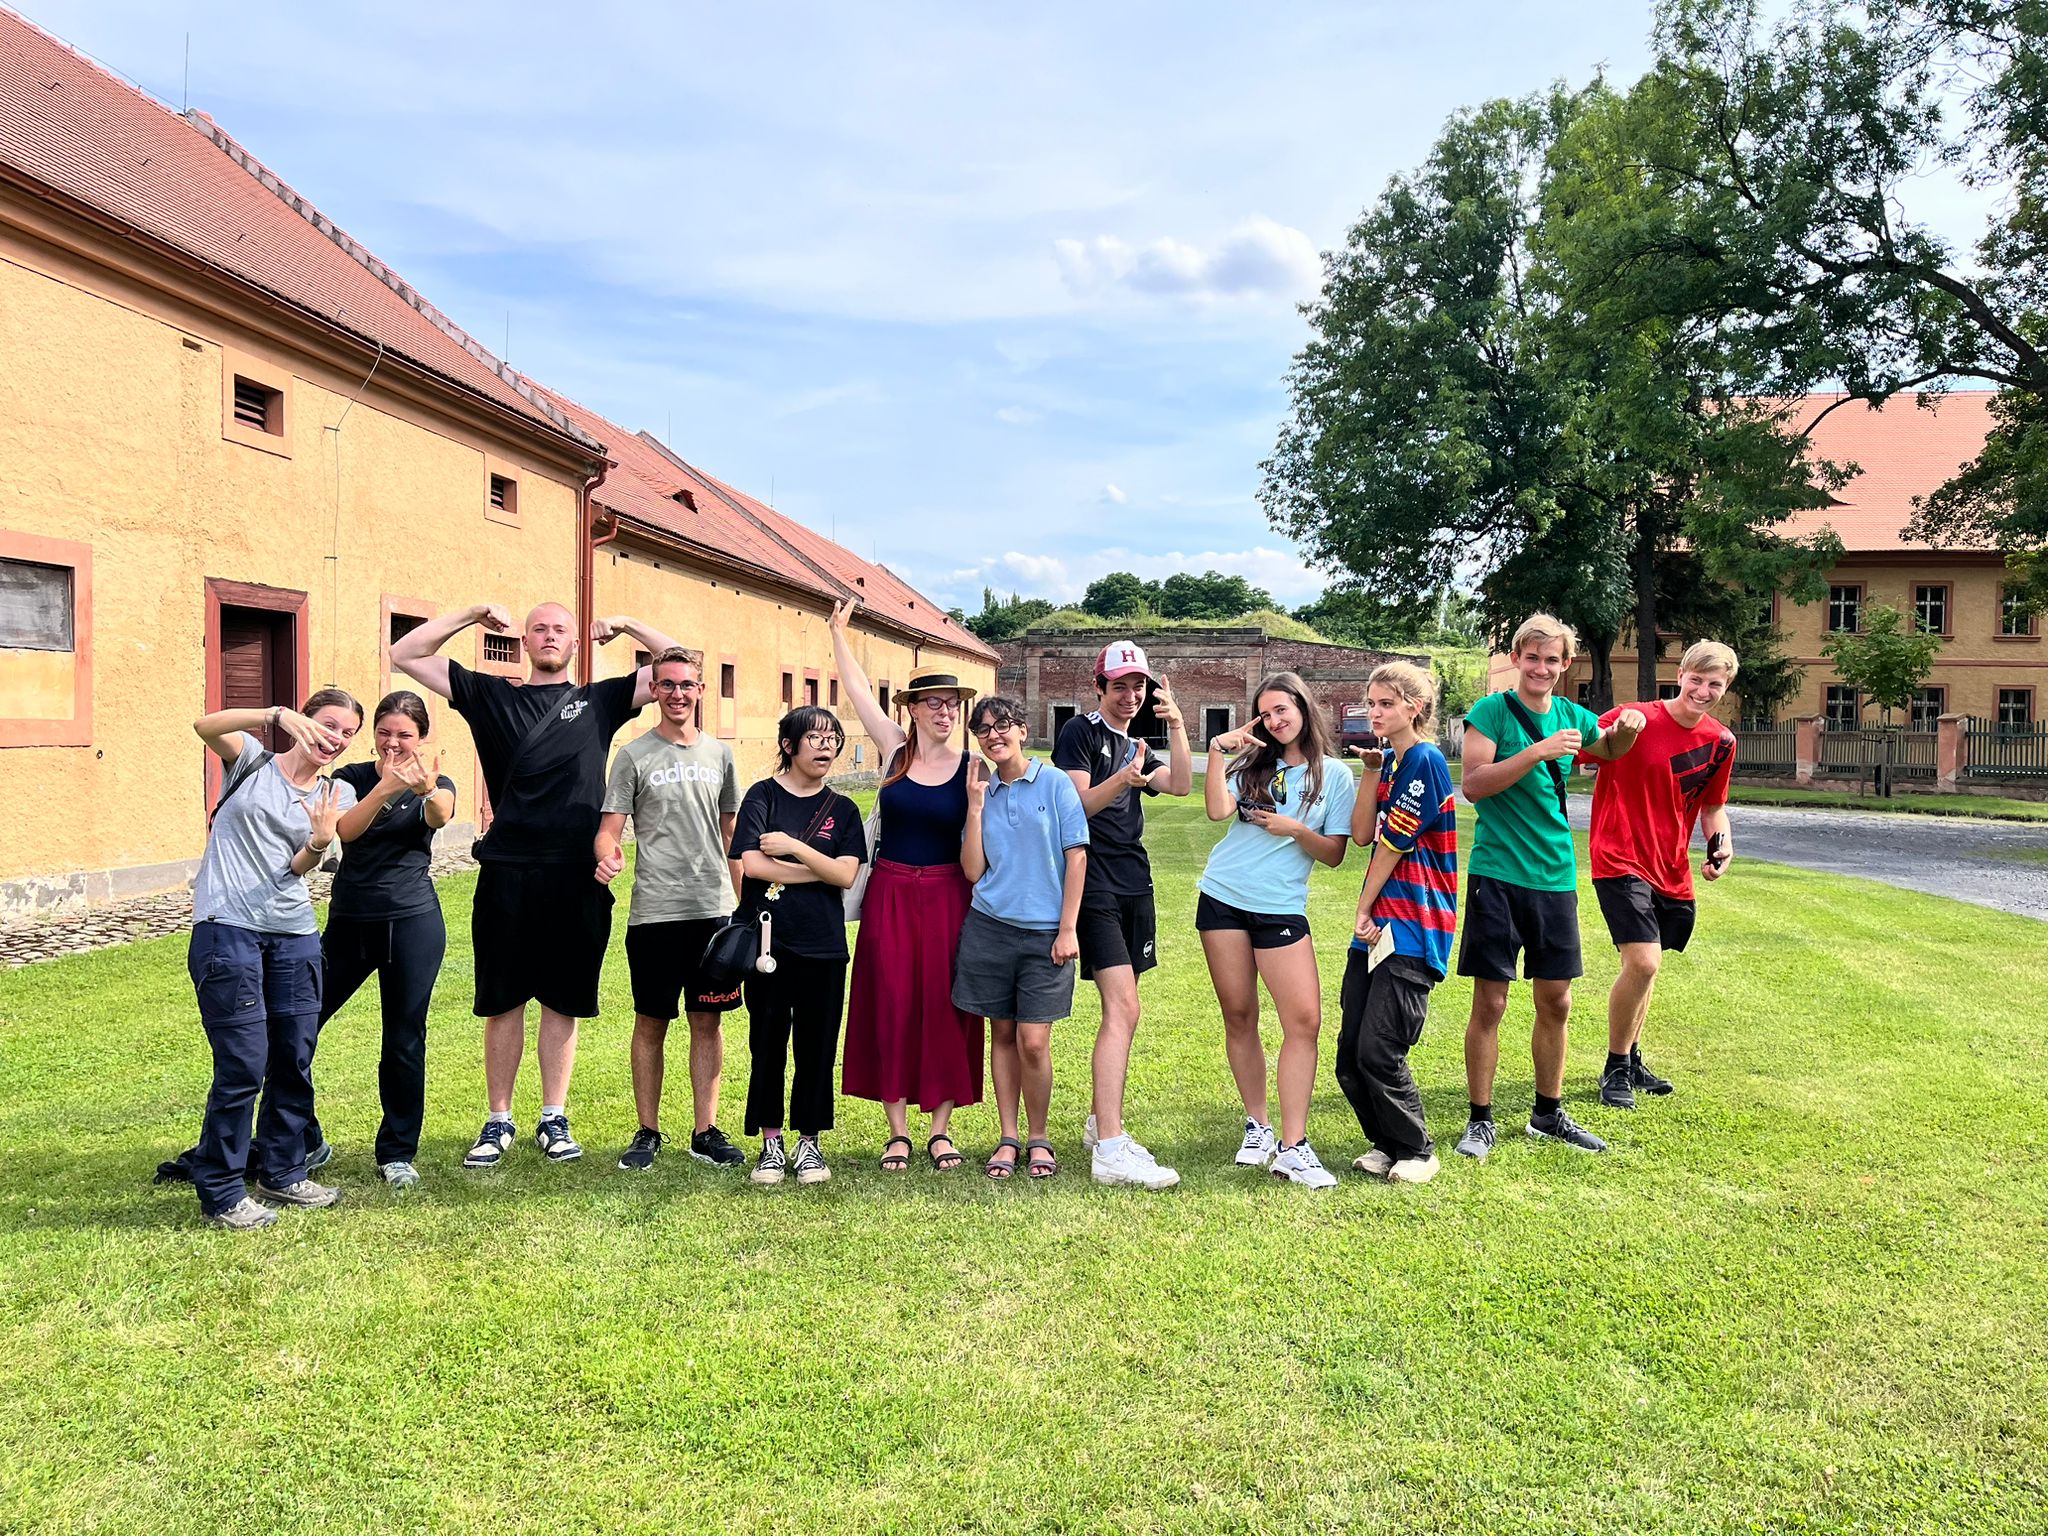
(835, 693)
(726, 679)
(259, 407)
(36, 606)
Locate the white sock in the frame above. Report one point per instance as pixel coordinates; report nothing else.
(550, 1111)
(499, 1117)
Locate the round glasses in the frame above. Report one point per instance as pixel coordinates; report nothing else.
(822, 739)
(995, 725)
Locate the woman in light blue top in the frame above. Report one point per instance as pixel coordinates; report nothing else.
(1292, 800)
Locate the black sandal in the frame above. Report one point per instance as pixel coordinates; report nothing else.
(947, 1160)
(996, 1170)
(896, 1162)
(1041, 1167)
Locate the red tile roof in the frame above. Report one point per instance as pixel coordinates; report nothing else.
(81, 131)
(1902, 450)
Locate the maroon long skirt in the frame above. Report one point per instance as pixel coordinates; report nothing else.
(904, 1037)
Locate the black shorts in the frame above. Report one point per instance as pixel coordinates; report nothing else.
(1117, 930)
(539, 932)
(1502, 920)
(1269, 930)
(1638, 913)
(665, 959)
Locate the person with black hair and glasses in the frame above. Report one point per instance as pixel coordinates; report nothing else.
(799, 844)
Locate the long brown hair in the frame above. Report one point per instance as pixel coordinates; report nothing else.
(1254, 771)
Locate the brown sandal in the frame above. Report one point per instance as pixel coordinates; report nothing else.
(896, 1162)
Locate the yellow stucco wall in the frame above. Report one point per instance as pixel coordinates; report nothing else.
(768, 633)
(111, 434)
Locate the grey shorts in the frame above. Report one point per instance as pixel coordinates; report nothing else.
(1006, 972)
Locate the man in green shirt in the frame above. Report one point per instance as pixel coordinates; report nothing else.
(1522, 875)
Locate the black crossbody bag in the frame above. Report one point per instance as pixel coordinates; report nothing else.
(1534, 727)
(519, 754)
(734, 948)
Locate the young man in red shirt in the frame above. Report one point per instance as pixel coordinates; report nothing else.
(1644, 808)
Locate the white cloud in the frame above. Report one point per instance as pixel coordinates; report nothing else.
(1259, 259)
(1115, 495)
(1017, 416)
(1043, 575)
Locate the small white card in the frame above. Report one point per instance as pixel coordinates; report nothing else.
(1382, 947)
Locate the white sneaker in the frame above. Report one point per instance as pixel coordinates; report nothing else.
(399, 1175)
(1088, 1137)
(1258, 1146)
(1414, 1170)
(1299, 1164)
(1120, 1160)
(1374, 1165)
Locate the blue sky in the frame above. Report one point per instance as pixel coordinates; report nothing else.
(996, 295)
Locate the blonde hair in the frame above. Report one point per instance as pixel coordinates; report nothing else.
(1546, 626)
(1708, 656)
(1415, 684)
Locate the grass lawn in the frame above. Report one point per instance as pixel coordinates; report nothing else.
(1990, 807)
(1796, 1297)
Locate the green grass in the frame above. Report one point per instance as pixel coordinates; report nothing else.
(1796, 1297)
(1989, 807)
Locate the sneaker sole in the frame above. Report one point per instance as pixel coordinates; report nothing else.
(719, 1162)
(1260, 1160)
(1477, 1154)
(1120, 1182)
(1288, 1178)
(764, 1179)
(1562, 1141)
(626, 1167)
(1617, 1102)
(281, 1198)
(483, 1162)
(563, 1157)
(814, 1176)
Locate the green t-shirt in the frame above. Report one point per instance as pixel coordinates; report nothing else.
(1521, 836)
(675, 795)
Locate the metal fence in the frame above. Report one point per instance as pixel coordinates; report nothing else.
(1452, 739)
(1771, 751)
(1902, 754)
(1994, 751)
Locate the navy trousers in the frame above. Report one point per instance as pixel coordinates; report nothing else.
(404, 953)
(259, 1000)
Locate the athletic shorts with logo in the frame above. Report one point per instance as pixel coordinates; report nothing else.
(1269, 930)
(539, 932)
(1117, 930)
(1501, 921)
(1638, 913)
(1005, 972)
(666, 961)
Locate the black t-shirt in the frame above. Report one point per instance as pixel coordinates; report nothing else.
(384, 872)
(808, 919)
(1117, 863)
(548, 814)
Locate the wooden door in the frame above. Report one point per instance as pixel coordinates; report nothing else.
(256, 663)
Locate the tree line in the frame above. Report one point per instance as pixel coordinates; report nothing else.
(1563, 355)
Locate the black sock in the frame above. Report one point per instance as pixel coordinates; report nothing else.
(1482, 1112)
(1615, 1063)
(1635, 1053)
(1547, 1106)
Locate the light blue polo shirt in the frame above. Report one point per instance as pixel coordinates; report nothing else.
(1258, 871)
(1027, 826)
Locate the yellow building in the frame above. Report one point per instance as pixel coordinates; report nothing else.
(239, 456)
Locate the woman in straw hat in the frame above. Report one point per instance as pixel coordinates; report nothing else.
(904, 1038)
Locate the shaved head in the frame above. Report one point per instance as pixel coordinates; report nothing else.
(550, 639)
(553, 613)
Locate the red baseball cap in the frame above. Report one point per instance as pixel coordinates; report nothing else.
(1120, 657)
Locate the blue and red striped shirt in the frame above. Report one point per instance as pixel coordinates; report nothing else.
(1419, 818)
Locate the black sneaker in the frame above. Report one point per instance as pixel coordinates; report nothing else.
(640, 1155)
(1562, 1127)
(492, 1143)
(710, 1146)
(1642, 1078)
(1617, 1089)
(319, 1157)
(773, 1163)
(553, 1138)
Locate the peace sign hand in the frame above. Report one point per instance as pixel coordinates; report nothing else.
(841, 613)
(1164, 705)
(323, 812)
(977, 786)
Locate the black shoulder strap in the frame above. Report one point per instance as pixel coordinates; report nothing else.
(238, 775)
(533, 735)
(1534, 727)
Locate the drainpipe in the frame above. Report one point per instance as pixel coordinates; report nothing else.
(587, 542)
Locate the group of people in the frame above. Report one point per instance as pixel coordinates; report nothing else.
(985, 881)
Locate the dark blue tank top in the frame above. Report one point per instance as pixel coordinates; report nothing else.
(922, 823)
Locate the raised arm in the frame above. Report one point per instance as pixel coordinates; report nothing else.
(1178, 776)
(886, 733)
(222, 731)
(414, 653)
(1217, 797)
(649, 639)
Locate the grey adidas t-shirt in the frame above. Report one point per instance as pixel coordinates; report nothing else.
(245, 877)
(674, 795)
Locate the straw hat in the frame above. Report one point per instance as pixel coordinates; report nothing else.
(934, 682)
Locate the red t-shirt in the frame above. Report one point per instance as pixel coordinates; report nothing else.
(1646, 802)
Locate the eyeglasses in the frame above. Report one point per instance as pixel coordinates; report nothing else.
(670, 685)
(995, 723)
(951, 706)
(823, 739)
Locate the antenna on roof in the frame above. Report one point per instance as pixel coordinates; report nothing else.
(187, 107)
(506, 355)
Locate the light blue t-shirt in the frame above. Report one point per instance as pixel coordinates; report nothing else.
(1027, 826)
(1260, 871)
(245, 875)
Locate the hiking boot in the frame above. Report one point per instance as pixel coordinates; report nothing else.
(1562, 1127)
(319, 1157)
(553, 1138)
(711, 1146)
(492, 1143)
(1374, 1164)
(305, 1193)
(1644, 1080)
(1414, 1170)
(1478, 1141)
(1120, 1160)
(640, 1156)
(245, 1215)
(810, 1161)
(399, 1175)
(1618, 1089)
(770, 1166)
(1259, 1145)
(1299, 1164)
